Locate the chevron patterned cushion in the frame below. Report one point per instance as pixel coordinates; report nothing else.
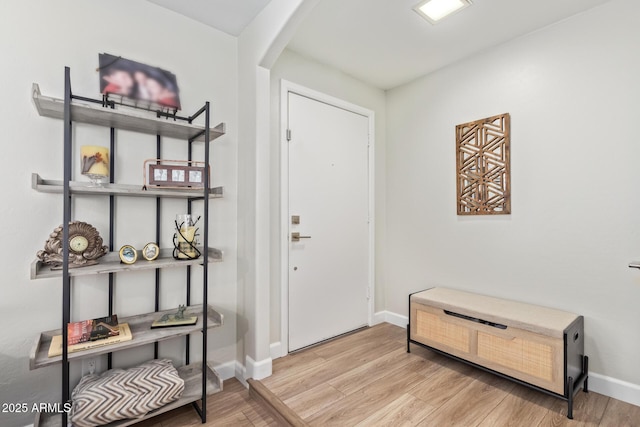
(119, 394)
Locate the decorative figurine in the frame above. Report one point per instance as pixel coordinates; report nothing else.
(179, 314)
(177, 319)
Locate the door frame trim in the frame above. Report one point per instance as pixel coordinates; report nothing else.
(287, 87)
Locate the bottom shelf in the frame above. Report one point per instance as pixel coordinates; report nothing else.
(192, 393)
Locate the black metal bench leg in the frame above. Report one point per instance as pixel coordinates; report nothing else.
(570, 398)
(408, 341)
(585, 369)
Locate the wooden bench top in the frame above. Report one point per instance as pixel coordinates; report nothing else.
(534, 318)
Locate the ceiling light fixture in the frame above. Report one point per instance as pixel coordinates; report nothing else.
(434, 10)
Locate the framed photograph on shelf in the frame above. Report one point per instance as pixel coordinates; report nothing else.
(174, 173)
(128, 254)
(131, 80)
(151, 251)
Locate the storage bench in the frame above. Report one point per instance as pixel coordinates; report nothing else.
(540, 347)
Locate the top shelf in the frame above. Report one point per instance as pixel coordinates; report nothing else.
(123, 118)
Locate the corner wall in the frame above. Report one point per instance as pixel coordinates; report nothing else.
(572, 91)
(298, 69)
(258, 46)
(37, 39)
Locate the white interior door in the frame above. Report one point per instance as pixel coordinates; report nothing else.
(329, 194)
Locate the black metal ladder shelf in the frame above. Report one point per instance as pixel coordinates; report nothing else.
(200, 379)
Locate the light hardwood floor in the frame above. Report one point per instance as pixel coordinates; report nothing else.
(231, 407)
(368, 379)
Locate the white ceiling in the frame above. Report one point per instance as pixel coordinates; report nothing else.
(386, 43)
(230, 16)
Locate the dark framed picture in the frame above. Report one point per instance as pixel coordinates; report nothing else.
(136, 81)
(175, 173)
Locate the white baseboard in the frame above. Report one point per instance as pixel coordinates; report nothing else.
(252, 369)
(258, 370)
(276, 350)
(389, 317)
(226, 370)
(379, 317)
(241, 373)
(612, 387)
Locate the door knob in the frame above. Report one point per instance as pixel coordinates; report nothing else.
(295, 237)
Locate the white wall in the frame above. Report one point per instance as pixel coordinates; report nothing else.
(37, 39)
(572, 91)
(258, 45)
(298, 69)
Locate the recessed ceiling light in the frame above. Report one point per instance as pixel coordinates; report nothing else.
(434, 10)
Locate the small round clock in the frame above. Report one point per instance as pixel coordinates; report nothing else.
(78, 244)
(151, 251)
(128, 254)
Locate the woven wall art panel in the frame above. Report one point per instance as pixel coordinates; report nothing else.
(482, 161)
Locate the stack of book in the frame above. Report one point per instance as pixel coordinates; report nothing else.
(89, 334)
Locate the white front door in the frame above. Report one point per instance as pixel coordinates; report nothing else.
(328, 267)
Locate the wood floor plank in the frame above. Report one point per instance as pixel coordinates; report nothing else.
(358, 406)
(521, 407)
(233, 386)
(471, 405)
(283, 375)
(588, 410)
(445, 383)
(403, 411)
(314, 400)
(188, 418)
(306, 357)
(368, 379)
(355, 379)
(380, 333)
(288, 386)
(620, 414)
(259, 417)
(236, 419)
(227, 406)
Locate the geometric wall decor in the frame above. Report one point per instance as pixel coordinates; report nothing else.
(483, 166)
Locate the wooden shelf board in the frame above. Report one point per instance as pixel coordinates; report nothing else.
(78, 187)
(634, 264)
(121, 118)
(110, 263)
(140, 329)
(192, 393)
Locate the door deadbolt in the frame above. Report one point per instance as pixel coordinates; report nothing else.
(295, 237)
